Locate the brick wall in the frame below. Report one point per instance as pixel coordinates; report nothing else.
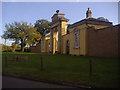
(104, 42)
(119, 40)
(36, 49)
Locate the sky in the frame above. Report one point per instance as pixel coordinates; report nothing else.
(74, 11)
(60, 0)
(119, 12)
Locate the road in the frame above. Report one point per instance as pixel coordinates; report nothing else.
(11, 82)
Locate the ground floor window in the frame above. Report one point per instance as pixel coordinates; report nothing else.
(76, 38)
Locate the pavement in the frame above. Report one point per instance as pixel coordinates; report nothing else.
(11, 82)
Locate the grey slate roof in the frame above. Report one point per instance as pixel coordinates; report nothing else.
(90, 21)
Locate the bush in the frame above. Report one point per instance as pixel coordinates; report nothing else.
(6, 48)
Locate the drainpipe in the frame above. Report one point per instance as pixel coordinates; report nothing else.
(87, 51)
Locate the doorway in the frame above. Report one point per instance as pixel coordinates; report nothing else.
(67, 47)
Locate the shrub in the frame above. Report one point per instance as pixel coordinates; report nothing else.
(6, 48)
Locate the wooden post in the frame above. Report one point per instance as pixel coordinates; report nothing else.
(6, 61)
(16, 58)
(90, 66)
(41, 60)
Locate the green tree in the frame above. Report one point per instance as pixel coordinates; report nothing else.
(43, 26)
(6, 48)
(22, 33)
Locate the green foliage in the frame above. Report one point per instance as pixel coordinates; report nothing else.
(22, 33)
(43, 26)
(6, 48)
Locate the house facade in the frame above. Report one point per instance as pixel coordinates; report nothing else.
(87, 37)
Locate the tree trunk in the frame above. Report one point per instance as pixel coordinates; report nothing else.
(5, 42)
(14, 46)
(22, 48)
(22, 45)
(13, 50)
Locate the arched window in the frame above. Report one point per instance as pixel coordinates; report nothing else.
(76, 38)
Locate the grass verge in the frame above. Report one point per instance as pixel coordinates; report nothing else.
(65, 68)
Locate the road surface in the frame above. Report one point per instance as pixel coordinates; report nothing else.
(11, 82)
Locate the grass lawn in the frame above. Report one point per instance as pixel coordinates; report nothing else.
(65, 68)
